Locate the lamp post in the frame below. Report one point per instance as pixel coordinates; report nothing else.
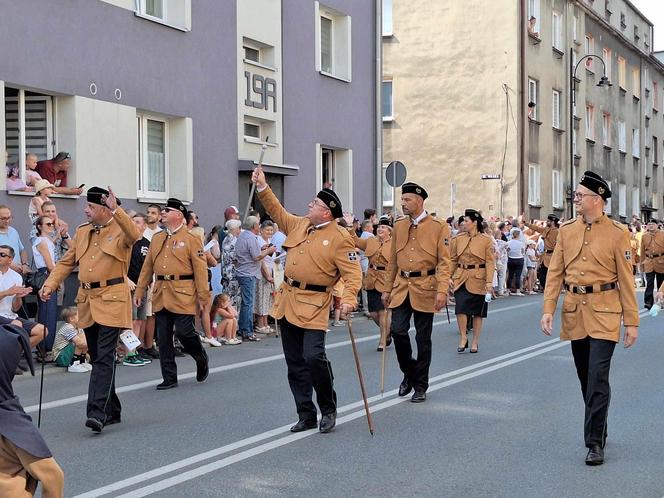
(603, 82)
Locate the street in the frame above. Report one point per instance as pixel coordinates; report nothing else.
(505, 422)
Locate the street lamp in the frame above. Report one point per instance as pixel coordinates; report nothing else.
(603, 82)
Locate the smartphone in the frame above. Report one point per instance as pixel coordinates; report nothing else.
(81, 185)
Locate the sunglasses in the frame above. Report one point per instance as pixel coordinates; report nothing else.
(5, 255)
(168, 210)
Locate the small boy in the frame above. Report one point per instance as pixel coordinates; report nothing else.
(225, 319)
(69, 345)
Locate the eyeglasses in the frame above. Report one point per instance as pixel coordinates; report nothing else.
(5, 218)
(5, 255)
(318, 203)
(48, 224)
(168, 210)
(579, 195)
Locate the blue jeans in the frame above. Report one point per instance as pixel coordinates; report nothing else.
(47, 315)
(247, 293)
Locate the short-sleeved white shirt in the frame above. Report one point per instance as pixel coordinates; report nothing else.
(7, 280)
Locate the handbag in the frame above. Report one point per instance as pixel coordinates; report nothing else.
(35, 279)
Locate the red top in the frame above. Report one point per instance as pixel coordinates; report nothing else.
(47, 171)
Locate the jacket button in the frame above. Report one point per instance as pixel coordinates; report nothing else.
(585, 243)
(583, 302)
(584, 258)
(96, 244)
(164, 266)
(583, 273)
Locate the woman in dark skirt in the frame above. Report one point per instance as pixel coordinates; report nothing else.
(378, 251)
(473, 265)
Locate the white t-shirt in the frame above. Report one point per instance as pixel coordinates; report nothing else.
(8, 280)
(530, 253)
(515, 249)
(149, 232)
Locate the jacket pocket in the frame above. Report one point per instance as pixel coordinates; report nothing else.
(310, 304)
(116, 297)
(569, 315)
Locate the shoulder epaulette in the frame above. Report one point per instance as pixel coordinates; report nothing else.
(568, 222)
(401, 218)
(83, 224)
(619, 226)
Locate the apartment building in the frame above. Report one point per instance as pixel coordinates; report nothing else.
(484, 117)
(162, 98)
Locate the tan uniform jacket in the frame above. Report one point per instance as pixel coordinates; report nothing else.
(316, 257)
(101, 255)
(652, 250)
(174, 255)
(419, 248)
(550, 237)
(379, 254)
(466, 250)
(20, 472)
(592, 255)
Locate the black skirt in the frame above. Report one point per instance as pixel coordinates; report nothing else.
(469, 304)
(374, 302)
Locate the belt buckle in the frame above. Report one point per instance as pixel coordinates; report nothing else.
(406, 274)
(168, 277)
(86, 285)
(289, 281)
(581, 289)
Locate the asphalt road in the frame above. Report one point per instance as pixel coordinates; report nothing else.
(505, 422)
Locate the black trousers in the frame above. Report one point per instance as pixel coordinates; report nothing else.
(183, 325)
(308, 370)
(649, 297)
(592, 358)
(103, 402)
(541, 275)
(416, 371)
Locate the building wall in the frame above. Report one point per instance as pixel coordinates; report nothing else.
(449, 65)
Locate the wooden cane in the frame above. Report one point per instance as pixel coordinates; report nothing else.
(253, 185)
(383, 342)
(360, 377)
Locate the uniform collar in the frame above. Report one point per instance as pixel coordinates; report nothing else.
(173, 232)
(417, 220)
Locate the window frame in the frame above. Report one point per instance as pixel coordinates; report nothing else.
(556, 34)
(534, 194)
(556, 189)
(390, 32)
(320, 47)
(636, 82)
(607, 55)
(387, 188)
(533, 97)
(589, 46)
(606, 129)
(534, 9)
(636, 143)
(555, 108)
(622, 200)
(622, 73)
(590, 122)
(143, 166)
(622, 136)
(341, 44)
(389, 117)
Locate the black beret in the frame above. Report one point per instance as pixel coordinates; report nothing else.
(385, 221)
(176, 204)
(414, 188)
(596, 183)
(331, 200)
(653, 220)
(95, 195)
(553, 218)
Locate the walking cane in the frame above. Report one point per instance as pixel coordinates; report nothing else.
(383, 341)
(43, 357)
(253, 185)
(360, 377)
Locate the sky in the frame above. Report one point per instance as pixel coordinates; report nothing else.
(653, 10)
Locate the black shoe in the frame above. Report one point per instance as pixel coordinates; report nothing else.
(94, 424)
(202, 368)
(327, 422)
(166, 385)
(304, 425)
(419, 397)
(116, 419)
(152, 353)
(648, 306)
(595, 455)
(388, 341)
(405, 387)
(476, 350)
(178, 352)
(379, 349)
(462, 349)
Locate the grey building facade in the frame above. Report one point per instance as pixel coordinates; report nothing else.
(162, 98)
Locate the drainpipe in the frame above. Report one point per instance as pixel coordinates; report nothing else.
(522, 184)
(379, 102)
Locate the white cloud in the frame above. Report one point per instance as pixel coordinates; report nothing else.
(654, 11)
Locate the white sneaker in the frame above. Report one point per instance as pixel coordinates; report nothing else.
(338, 324)
(76, 367)
(213, 342)
(87, 366)
(233, 342)
(519, 293)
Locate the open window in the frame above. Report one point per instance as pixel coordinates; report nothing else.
(333, 42)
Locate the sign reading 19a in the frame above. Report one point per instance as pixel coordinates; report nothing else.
(263, 89)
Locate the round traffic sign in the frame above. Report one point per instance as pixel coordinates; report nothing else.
(395, 174)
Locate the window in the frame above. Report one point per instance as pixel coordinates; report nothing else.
(635, 143)
(590, 122)
(636, 34)
(590, 49)
(387, 18)
(534, 184)
(252, 130)
(556, 30)
(608, 207)
(534, 12)
(606, 129)
(388, 192)
(575, 27)
(252, 54)
(622, 137)
(655, 151)
(556, 109)
(28, 126)
(257, 130)
(153, 157)
(254, 51)
(655, 95)
(334, 169)
(622, 199)
(623, 24)
(174, 13)
(574, 149)
(533, 93)
(606, 55)
(622, 73)
(636, 201)
(557, 189)
(333, 43)
(636, 82)
(388, 103)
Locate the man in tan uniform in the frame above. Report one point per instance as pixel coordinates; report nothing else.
(593, 258)
(177, 260)
(550, 234)
(320, 252)
(419, 275)
(652, 250)
(101, 249)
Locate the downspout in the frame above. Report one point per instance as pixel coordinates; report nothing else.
(379, 101)
(522, 183)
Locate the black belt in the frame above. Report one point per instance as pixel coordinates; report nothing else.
(410, 274)
(103, 283)
(549, 251)
(374, 267)
(588, 289)
(175, 277)
(471, 267)
(655, 255)
(303, 286)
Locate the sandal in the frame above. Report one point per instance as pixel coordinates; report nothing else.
(252, 338)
